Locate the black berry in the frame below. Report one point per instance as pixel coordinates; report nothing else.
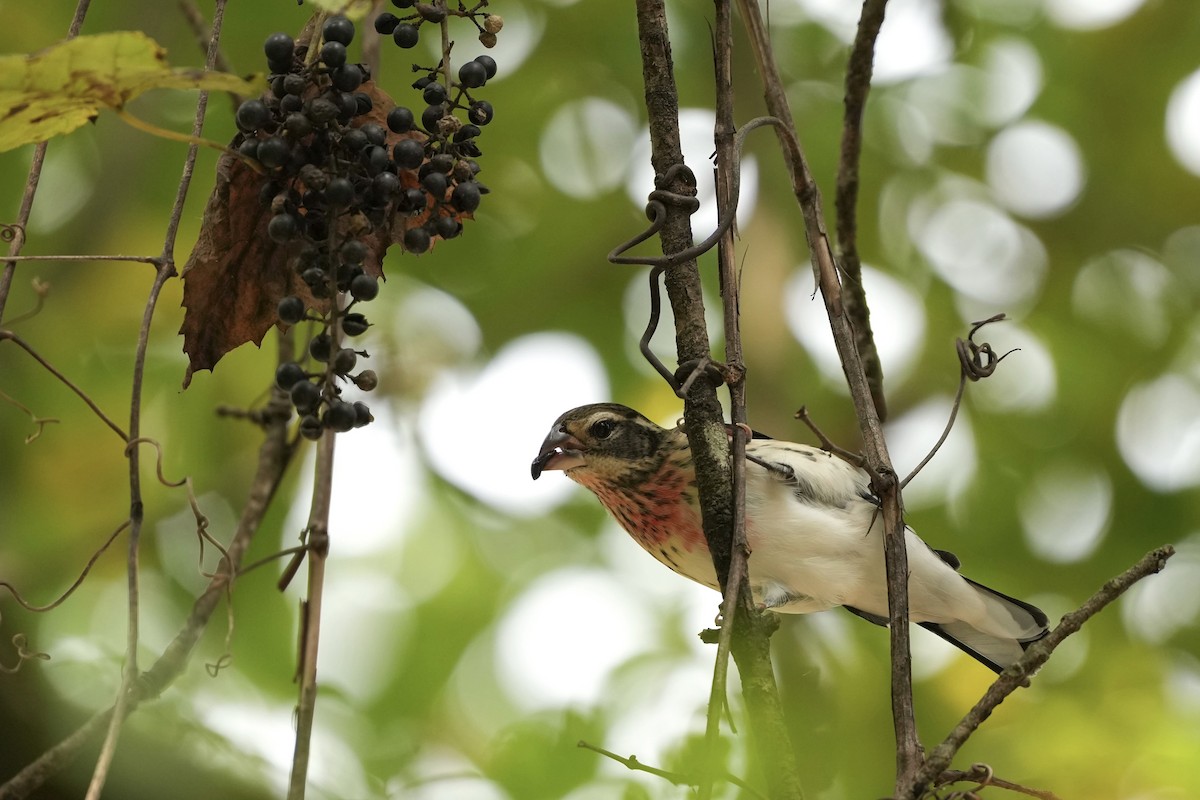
(481, 112)
(385, 23)
(252, 115)
(400, 120)
(344, 361)
(278, 47)
(416, 240)
(321, 347)
(466, 196)
(364, 288)
(288, 375)
(273, 152)
(305, 396)
(408, 153)
(406, 35)
(311, 427)
(338, 29)
(340, 416)
(472, 74)
(282, 227)
(489, 65)
(290, 310)
(354, 324)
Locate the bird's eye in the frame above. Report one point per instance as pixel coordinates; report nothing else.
(602, 429)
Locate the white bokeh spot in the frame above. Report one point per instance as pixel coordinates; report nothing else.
(1065, 511)
(1183, 122)
(585, 147)
(897, 319)
(1158, 432)
(1035, 169)
(558, 642)
(480, 429)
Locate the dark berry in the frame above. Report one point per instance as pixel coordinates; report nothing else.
(466, 196)
(354, 140)
(489, 65)
(322, 111)
(305, 396)
(385, 23)
(282, 227)
(385, 184)
(436, 184)
(293, 84)
(442, 162)
(481, 112)
(416, 240)
(249, 148)
(280, 67)
(375, 159)
(288, 375)
(273, 152)
(297, 125)
(354, 324)
(472, 74)
(400, 120)
(434, 94)
(291, 103)
(314, 277)
(338, 29)
(252, 115)
(333, 54)
(277, 89)
(366, 380)
(340, 416)
(375, 133)
(406, 35)
(321, 347)
(339, 192)
(408, 153)
(362, 101)
(414, 200)
(404, 3)
(347, 79)
(344, 361)
(278, 47)
(362, 414)
(290, 310)
(311, 427)
(430, 12)
(354, 251)
(447, 227)
(364, 288)
(430, 118)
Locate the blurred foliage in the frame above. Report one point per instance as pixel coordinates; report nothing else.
(420, 697)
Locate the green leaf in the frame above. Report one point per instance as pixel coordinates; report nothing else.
(54, 91)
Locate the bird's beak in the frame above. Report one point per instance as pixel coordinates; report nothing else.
(561, 450)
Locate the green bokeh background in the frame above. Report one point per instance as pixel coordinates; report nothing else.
(1119, 718)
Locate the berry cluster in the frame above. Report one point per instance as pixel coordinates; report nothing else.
(338, 182)
(406, 31)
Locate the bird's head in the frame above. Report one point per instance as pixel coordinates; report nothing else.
(603, 440)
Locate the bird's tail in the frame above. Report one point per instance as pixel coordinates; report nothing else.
(1022, 623)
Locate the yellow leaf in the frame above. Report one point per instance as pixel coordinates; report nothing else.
(60, 88)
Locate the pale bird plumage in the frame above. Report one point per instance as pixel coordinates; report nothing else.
(814, 528)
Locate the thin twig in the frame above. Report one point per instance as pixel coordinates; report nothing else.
(165, 270)
(203, 34)
(274, 455)
(859, 68)
(68, 258)
(908, 746)
(56, 602)
(982, 775)
(1018, 674)
(318, 549)
(17, 340)
(676, 778)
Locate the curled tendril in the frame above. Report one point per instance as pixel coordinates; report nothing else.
(10, 231)
(23, 654)
(656, 212)
(979, 360)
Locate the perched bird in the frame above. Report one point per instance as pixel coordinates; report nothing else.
(814, 528)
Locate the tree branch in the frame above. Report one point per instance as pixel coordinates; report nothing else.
(858, 85)
(908, 747)
(1038, 653)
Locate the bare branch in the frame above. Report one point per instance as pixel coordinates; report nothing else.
(858, 84)
(674, 777)
(908, 746)
(1038, 653)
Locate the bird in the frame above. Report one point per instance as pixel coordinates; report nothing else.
(813, 525)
